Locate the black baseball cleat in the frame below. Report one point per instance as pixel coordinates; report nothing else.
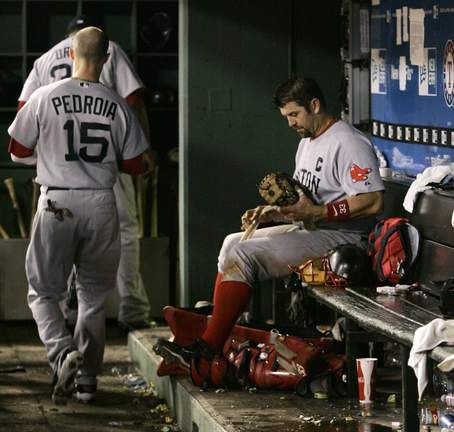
(86, 387)
(64, 377)
(173, 353)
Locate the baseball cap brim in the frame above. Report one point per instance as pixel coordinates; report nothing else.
(77, 23)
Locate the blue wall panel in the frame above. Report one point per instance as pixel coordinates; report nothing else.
(412, 105)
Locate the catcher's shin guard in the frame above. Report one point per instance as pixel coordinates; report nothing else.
(265, 371)
(186, 327)
(210, 373)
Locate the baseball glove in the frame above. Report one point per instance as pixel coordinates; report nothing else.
(282, 190)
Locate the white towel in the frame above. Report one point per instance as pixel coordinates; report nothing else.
(430, 175)
(447, 365)
(425, 339)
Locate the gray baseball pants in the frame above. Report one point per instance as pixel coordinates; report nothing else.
(269, 252)
(134, 304)
(87, 238)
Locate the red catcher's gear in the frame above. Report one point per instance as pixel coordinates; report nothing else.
(255, 357)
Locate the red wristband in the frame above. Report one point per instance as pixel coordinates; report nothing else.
(338, 210)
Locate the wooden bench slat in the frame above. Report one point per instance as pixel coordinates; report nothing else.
(376, 318)
(401, 304)
(366, 313)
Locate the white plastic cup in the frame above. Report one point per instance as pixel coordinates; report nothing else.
(366, 369)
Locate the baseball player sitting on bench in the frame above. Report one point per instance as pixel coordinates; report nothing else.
(338, 165)
(119, 75)
(83, 133)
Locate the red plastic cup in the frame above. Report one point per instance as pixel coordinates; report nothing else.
(366, 369)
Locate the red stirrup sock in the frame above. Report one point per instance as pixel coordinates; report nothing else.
(232, 298)
(216, 286)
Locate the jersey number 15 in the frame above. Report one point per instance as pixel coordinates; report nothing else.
(85, 127)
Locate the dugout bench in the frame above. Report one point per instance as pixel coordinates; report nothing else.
(373, 317)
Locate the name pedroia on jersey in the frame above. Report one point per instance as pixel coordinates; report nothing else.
(84, 104)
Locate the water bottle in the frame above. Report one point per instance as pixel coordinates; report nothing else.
(446, 421)
(442, 383)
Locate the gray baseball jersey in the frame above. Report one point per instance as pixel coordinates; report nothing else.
(81, 130)
(56, 64)
(339, 163)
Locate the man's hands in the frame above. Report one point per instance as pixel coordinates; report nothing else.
(262, 214)
(149, 161)
(304, 211)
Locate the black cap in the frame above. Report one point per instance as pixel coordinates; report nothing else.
(77, 23)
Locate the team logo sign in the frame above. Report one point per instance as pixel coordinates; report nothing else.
(448, 73)
(359, 174)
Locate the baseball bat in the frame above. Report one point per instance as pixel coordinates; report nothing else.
(154, 203)
(250, 230)
(35, 194)
(3, 233)
(9, 182)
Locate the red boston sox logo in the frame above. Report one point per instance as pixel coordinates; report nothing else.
(359, 174)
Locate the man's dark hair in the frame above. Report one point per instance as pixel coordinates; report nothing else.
(300, 90)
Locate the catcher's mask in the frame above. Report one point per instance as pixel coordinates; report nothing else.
(341, 266)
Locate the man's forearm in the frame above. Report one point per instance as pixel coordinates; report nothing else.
(362, 205)
(139, 109)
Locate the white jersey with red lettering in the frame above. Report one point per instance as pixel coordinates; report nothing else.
(81, 130)
(56, 64)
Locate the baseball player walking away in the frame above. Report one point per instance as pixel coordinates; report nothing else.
(337, 164)
(83, 133)
(119, 75)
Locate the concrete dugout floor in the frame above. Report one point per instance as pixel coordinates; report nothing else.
(25, 403)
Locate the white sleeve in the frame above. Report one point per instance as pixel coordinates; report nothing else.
(125, 78)
(31, 84)
(30, 160)
(135, 142)
(358, 166)
(24, 128)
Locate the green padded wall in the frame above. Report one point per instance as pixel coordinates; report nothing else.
(237, 52)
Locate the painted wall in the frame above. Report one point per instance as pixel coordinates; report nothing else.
(412, 82)
(236, 53)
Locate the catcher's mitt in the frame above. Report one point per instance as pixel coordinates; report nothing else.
(281, 189)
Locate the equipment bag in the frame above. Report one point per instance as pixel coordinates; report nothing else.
(393, 247)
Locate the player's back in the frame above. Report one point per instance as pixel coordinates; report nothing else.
(56, 64)
(82, 130)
